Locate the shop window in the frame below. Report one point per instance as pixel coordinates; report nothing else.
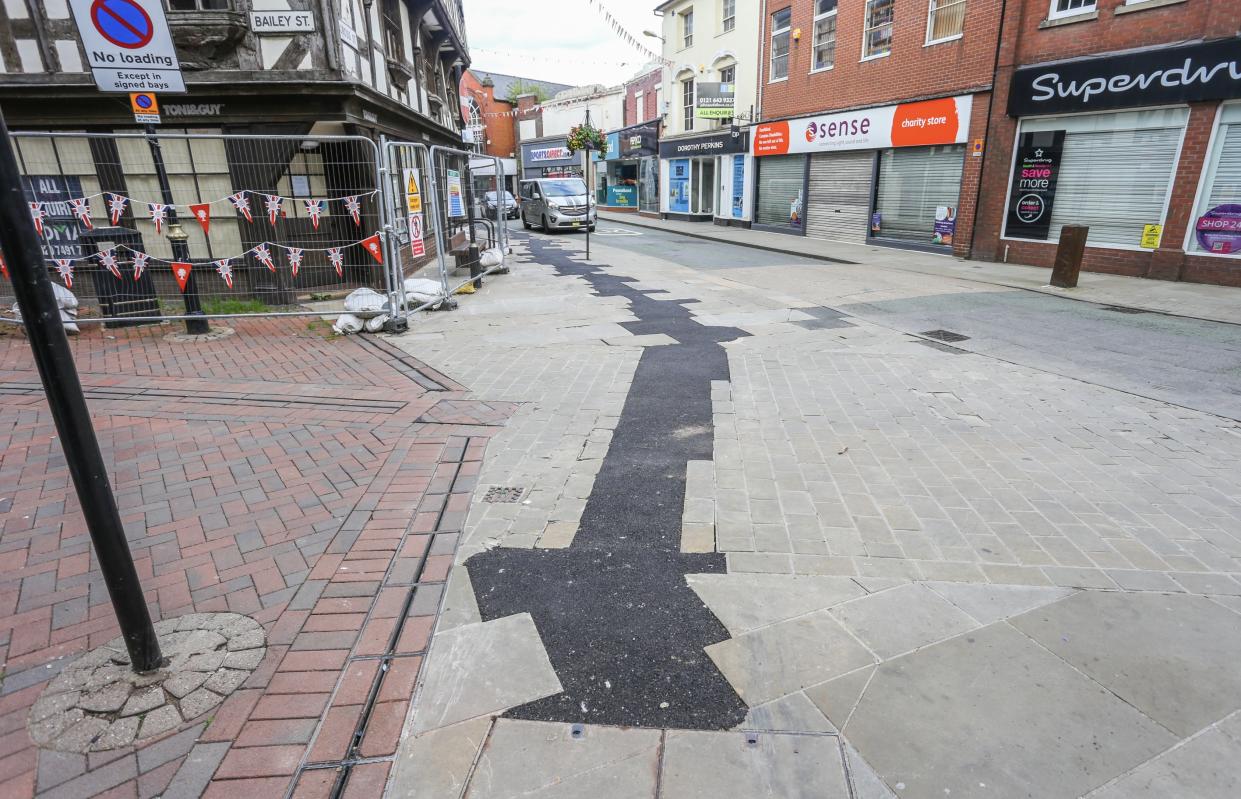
(687, 104)
(946, 21)
(877, 36)
(687, 28)
(781, 30)
(824, 35)
(199, 5)
(1216, 227)
(1113, 174)
(918, 187)
(1070, 8)
(728, 15)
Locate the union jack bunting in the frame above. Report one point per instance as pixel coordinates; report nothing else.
(337, 260)
(354, 206)
(116, 207)
(225, 267)
(242, 203)
(264, 256)
(107, 259)
(81, 209)
(314, 208)
(65, 267)
(159, 213)
(272, 204)
(295, 259)
(37, 214)
(140, 264)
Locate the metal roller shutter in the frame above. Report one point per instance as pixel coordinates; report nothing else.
(1226, 187)
(913, 182)
(839, 203)
(781, 179)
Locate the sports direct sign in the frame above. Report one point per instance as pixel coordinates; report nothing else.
(945, 121)
(128, 46)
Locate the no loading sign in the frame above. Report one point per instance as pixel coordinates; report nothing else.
(128, 45)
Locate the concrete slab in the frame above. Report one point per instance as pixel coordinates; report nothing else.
(991, 714)
(792, 713)
(775, 661)
(866, 783)
(482, 669)
(1207, 766)
(710, 765)
(436, 764)
(546, 760)
(987, 603)
(745, 602)
(460, 607)
(901, 619)
(837, 698)
(1173, 656)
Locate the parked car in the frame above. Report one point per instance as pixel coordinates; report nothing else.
(491, 199)
(556, 204)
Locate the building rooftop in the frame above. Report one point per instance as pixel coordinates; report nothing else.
(504, 82)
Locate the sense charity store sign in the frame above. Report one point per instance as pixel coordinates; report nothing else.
(925, 123)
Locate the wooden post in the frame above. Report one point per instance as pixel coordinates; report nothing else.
(1069, 256)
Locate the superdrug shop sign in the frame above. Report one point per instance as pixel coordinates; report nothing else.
(1034, 185)
(1192, 72)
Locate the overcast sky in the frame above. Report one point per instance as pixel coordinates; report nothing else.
(566, 41)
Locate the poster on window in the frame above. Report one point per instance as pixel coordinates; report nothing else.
(1035, 171)
(945, 225)
(738, 186)
(1219, 230)
(678, 186)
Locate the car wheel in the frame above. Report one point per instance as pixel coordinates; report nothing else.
(524, 223)
(547, 227)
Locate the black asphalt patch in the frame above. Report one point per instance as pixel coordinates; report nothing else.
(623, 630)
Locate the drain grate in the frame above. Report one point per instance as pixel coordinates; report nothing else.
(1119, 309)
(499, 494)
(945, 335)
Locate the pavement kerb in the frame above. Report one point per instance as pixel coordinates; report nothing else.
(644, 222)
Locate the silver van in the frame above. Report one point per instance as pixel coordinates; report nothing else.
(555, 204)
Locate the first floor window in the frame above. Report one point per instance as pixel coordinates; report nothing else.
(946, 20)
(1070, 8)
(687, 28)
(781, 27)
(198, 5)
(877, 36)
(728, 15)
(824, 34)
(1216, 226)
(728, 74)
(687, 104)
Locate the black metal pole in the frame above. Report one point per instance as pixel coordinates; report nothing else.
(33, 289)
(180, 250)
(590, 187)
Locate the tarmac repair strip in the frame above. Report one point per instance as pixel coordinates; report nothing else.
(623, 630)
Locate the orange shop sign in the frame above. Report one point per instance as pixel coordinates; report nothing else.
(943, 121)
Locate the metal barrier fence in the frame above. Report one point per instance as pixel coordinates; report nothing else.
(153, 227)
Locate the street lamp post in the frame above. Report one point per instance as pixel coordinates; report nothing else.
(33, 289)
(197, 323)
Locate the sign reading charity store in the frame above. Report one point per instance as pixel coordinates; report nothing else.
(128, 45)
(1190, 73)
(943, 121)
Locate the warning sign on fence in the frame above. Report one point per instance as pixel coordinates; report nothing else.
(456, 203)
(417, 246)
(413, 194)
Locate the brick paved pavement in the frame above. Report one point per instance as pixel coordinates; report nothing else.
(316, 484)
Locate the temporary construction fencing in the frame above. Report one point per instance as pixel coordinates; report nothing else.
(161, 226)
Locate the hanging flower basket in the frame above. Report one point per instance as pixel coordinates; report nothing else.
(587, 137)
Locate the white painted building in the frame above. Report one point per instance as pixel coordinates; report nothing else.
(705, 165)
(568, 108)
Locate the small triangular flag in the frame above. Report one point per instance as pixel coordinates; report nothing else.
(181, 271)
(81, 209)
(202, 212)
(373, 246)
(140, 264)
(65, 267)
(225, 267)
(116, 207)
(337, 260)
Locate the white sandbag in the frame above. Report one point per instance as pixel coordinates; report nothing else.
(491, 258)
(64, 297)
(365, 303)
(419, 290)
(346, 324)
(376, 323)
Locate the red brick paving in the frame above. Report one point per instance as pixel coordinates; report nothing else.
(300, 479)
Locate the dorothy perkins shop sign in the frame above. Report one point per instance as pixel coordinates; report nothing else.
(1192, 72)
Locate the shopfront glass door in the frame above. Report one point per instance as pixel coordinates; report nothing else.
(704, 185)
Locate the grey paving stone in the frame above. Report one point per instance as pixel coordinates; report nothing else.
(866, 783)
(924, 618)
(1173, 656)
(991, 714)
(57, 767)
(545, 760)
(160, 720)
(436, 764)
(744, 602)
(191, 779)
(837, 698)
(987, 602)
(169, 749)
(483, 668)
(1205, 767)
(100, 780)
(774, 661)
(710, 765)
(792, 713)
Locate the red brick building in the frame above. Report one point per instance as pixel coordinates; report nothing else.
(642, 97)
(489, 117)
(871, 119)
(1115, 114)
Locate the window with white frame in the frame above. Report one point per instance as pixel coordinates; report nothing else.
(687, 28)
(728, 74)
(1214, 228)
(946, 21)
(781, 30)
(728, 15)
(1070, 8)
(824, 35)
(198, 5)
(877, 35)
(687, 104)
(639, 113)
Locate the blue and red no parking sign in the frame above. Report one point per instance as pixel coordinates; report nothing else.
(124, 23)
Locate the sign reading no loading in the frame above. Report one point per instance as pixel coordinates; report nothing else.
(128, 45)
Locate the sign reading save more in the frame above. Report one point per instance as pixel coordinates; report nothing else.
(944, 121)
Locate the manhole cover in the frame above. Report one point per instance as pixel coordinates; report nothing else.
(944, 335)
(503, 494)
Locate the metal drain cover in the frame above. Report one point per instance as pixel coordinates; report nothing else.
(944, 335)
(500, 494)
